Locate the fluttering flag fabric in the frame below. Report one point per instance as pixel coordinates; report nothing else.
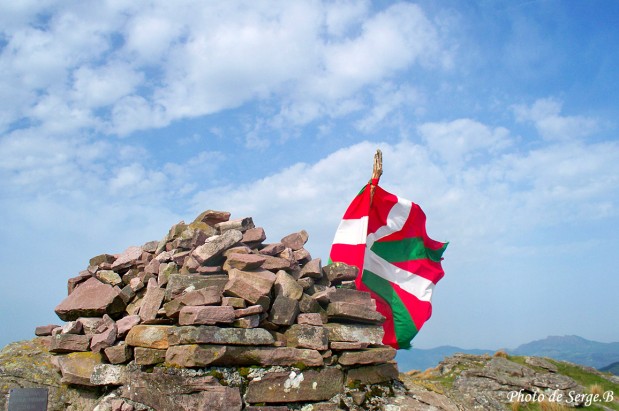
(385, 237)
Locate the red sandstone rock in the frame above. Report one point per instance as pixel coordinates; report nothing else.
(356, 312)
(249, 285)
(148, 336)
(284, 311)
(152, 301)
(44, 330)
(254, 236)
(295, 241)
(191, 315)
(127, 258)
(91, 299)
(309, 319)
(243, 261)
(272, 249)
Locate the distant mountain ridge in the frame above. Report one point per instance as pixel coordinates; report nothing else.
(422, 359)
(612, 368)
(570, 348)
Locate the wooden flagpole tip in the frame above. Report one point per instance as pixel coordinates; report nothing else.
(377, 171)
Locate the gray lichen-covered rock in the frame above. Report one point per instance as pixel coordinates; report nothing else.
(216, 335)
(372, 334)
(284, 387)
(172, 389)
(307, 336)
(28, 364)
(77, 367)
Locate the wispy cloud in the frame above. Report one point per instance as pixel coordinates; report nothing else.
(545, 115)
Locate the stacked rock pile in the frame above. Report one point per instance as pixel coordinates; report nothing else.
(211, 317)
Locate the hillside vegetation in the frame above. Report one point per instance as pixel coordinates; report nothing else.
(505, 382)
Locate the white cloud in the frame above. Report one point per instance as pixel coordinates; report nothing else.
(101, 86)
(389, 41)
(152, 64)
(56, 115)
(551, 125)
(15, 14)
(150, 34)
(463, 140)
(134, 112)
(34, 161)
(342, 15)
(484, 207)
(387, 99)
(234, 53)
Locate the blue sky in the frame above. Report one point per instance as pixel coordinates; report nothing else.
(119, 119)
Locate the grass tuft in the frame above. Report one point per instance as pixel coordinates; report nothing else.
(596, 389)
(552, 406)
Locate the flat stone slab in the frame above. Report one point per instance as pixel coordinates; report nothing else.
(127, 258)
(45, 330)
(348, 345)
(277, 263)
(178, 283)
(212, 217)
(251, 310)
(108, 374)
(309, 319)
(312, 269)
(214, 246)
(215, 335)
(193, 355)
(243, 261)
(254, 236)
(354, 312)
(91, 299)
(295, 241)
(207, 314)
(338, 272)
(371, 334)
(285, 387)
(148, 356)
(63, 343)
(367, 356)
(372, 374)
(77, 367)
(351, 296)
(273, 249)
(286, 356)
(148, 336)
(307, 336)
(249, 285)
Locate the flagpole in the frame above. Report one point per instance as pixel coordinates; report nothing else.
(377, 171)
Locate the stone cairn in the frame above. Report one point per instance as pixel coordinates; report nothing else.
(213, 318)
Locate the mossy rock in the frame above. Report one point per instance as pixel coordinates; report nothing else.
(28, 364)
